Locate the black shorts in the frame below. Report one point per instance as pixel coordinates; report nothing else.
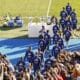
(67, 39)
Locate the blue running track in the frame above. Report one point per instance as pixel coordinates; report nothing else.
(16, 48)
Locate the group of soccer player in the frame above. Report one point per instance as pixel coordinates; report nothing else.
(67, 24)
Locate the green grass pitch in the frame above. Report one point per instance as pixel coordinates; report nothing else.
(24, 7)
(27, 8)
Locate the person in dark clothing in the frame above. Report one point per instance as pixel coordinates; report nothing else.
(62, 23)
(67, 35)
(47, 38)
(49, 62)
(73, 14)
(74, 23)
(42, 44)
(56, 50)
(36, 63)
(56, 28)
(29, 55)
(68, 8)
(20, 64)
(63, 13)
(69, 23)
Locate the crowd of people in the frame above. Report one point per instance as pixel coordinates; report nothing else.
(60, 64)
(65, 67)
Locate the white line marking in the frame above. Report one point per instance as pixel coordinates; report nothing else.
(11, 57)
(50, 1)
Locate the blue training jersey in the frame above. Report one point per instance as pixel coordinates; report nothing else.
(63, 14)
(42, 44)
(62, 23)
(21, 63)
(55, 38)
(67, 34)
(74, 21)
(49, 63)
(47, 38)
(36, 62)
(30, 56)
(61, 43)
(11, 23)
(56, 51)
(68, 9)
(73, 14)
(69, 24)
(40, 55)
(55, 29)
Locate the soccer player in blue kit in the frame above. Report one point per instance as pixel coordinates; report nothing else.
(74, 23)
(68, 8)
(63, 13)
(42, 44)
(62, 23)
(56, 50)
(36, 63)
(73, 14)
(47, 38)
(49, 62)
(29, 55)
(56, 28)
(68, 23)
(40, 55)
(20, 64)
(67, 35)
(55, 38)
(61, 43)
